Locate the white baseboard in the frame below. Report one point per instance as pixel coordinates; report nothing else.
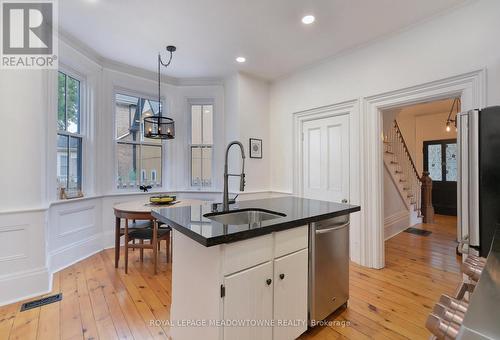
(24, 285)
(395, 224)
(75, 252)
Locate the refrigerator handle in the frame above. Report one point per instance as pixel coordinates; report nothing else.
(464, 138)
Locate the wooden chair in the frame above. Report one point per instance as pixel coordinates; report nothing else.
(149, 231)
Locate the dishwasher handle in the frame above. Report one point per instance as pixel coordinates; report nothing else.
(328, 230)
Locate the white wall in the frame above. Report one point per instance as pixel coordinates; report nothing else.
(396, 214)
(462, 41)
(407, 125)
(254, 123)
(23, 270)
(22, 137)
(247, 102)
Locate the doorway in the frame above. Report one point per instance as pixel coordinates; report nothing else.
(440, 160)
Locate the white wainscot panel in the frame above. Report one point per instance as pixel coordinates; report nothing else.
(75, 220)
(75, 232)
(23, 270)
(12, 242)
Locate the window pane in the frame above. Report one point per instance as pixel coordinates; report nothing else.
(207, 166)
(151, 163)
(434, 162)
(196, 124)
(451, 162)
(62, 161)
(207, 124)
(75, 164)
(125, 107)
(61, 102)
(196, 166)
(149, 108)
(130, 112)
(73, 105)
(128, 156)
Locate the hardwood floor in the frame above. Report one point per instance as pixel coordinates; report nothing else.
(100, 302)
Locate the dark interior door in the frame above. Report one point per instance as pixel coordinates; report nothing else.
(440, 160)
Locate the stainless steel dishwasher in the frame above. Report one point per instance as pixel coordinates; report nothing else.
(328, 267)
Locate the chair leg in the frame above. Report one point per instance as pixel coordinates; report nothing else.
(141, 242)
(126, 246)
(126, 254)
(167, 240)
(155, 246)
(133, 242)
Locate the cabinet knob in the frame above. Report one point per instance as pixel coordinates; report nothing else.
(269, 281)
(282, 276)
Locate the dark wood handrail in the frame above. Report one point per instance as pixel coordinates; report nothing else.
(398, 130)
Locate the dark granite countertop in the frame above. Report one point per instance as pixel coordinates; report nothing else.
(189, 220)
(482, 319)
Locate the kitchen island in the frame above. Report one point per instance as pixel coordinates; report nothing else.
(243, 275)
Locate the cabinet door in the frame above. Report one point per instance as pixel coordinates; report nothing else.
(249, 297)
(290, 295)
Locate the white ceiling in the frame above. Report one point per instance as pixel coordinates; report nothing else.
(209, 34)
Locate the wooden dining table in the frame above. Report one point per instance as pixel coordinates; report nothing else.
(140, 210)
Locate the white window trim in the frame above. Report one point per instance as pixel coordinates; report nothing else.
(139, 94)
(190, 103)
(84, 120)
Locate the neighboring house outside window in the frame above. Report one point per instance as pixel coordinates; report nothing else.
(133, 151)
(70, 138)
(201, 145)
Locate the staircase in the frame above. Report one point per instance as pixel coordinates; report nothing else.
(400, 165)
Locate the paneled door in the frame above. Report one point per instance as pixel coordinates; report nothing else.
(325, 159)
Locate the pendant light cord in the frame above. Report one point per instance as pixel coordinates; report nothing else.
(170, 49)
(456, 101)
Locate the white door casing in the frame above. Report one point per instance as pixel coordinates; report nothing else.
(471, 87)
(325, 160)
(351, 110)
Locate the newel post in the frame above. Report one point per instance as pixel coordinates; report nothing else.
(427, 208)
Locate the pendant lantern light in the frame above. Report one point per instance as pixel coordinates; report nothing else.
(157, 126)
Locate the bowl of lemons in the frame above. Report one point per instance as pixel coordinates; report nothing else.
(162, 199)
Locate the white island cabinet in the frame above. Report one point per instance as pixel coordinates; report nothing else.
(251, 289)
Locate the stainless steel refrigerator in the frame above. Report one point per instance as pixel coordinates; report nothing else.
(479, 178)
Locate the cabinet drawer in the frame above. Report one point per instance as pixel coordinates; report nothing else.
(291, 240)
(248, 253)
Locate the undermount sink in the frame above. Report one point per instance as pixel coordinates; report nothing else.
(244, 216)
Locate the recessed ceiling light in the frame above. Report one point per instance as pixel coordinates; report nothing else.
(241, 59)
(308, 19)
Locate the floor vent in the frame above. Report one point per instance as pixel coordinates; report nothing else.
(419, 232)
(41, 302)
